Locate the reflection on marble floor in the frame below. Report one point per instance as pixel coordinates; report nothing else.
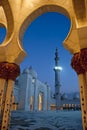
(49, 120)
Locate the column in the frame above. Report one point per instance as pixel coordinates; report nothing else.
(48, 98)
(44, 101)
(79, 63)
(35, 96)
(8, 73)
(2, 94)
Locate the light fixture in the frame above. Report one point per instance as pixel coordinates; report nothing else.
(58, 68)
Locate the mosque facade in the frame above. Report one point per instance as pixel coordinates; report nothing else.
(30, 94)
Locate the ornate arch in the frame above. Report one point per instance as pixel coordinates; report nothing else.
(7, 18)
(19, 14)
(39, 11)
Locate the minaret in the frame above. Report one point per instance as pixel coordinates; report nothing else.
(57, 80)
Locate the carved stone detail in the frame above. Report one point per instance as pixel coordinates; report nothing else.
(9, 70)
(79, 61)
(76, 64)
(83, 57)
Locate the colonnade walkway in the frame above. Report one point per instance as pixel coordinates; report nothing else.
(46, 120)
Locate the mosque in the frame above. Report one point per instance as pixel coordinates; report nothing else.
(15, 16)
(30, 94)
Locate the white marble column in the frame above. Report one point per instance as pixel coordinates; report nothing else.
(36, 96)
(48, 98)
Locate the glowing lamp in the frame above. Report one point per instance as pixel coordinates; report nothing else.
(58, 68)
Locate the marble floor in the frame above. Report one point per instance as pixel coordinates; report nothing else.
(49, 120)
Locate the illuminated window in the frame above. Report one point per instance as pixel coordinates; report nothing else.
(40, 106)
(31, 103)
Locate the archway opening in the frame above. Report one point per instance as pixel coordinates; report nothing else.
(31, 102)
(40, 101)
(40, 41)
(2, 34)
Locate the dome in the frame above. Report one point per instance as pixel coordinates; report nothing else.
(64, 96)
(76, 96)
(26, 70)
(32, 72)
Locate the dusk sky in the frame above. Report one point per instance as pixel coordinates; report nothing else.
(40, 41)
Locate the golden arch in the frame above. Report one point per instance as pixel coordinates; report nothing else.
(39, 11)
(21, 14)
(16, 15)
(6, 18)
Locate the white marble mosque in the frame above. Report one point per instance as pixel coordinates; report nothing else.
(16, 16)
(30, 94)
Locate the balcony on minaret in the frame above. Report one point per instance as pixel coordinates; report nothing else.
(58, 84)
(57, 68)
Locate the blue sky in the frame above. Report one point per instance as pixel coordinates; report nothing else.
(40, 40)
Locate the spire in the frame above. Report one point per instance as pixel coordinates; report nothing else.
(57, 80)
(56, 57)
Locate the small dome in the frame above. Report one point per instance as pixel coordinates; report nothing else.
(26, 71)
(16, 82)
(32, 72)
(64, 96)
(76, 96)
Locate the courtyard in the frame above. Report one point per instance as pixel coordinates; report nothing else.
(46, 120)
